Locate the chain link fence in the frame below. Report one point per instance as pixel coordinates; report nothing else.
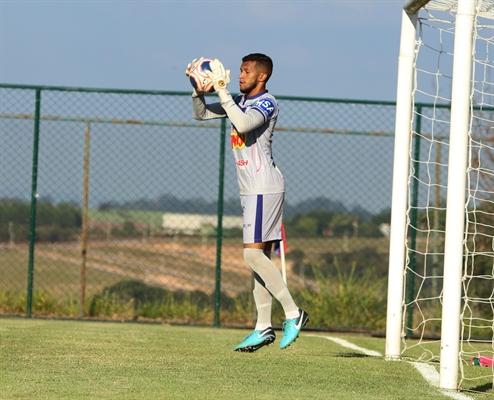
(117, 204)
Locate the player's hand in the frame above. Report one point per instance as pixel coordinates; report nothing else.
(219, 76)
(189, 66)
(196, 92)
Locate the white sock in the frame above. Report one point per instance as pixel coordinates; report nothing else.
(292, 314)
(272, 278)
(264, 302)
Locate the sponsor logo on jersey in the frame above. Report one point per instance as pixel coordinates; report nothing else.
(242, 163)
(237, 139)
(265, 105)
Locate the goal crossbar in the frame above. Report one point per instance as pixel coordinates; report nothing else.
(485, 8)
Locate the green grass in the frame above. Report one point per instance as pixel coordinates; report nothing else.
(44, 359)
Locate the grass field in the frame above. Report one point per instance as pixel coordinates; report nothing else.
(45, 359)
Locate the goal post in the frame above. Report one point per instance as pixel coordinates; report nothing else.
(400, 185)
(401, 165)
(460, 119)
(455, 201)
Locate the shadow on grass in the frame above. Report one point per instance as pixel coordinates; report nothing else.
(485, 388)
(353, 355)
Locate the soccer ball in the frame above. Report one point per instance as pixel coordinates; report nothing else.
(198, 77)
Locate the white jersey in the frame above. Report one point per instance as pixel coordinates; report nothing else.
(253, 122)
(252, 151)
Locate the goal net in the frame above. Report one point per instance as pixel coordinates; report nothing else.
(441, 284)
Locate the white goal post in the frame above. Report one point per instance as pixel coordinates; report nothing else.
(470, 88)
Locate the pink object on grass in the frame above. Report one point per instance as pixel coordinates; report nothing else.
(483, 361)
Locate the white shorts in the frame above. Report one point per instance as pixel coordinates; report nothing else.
(263, 214)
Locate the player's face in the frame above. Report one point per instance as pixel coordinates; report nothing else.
(249, 77)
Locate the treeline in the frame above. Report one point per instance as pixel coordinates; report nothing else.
(171, 203)
(62, 221)
(319, 216)
(54, 223)
(332, 223)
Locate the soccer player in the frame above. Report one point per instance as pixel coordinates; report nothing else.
(253, 116)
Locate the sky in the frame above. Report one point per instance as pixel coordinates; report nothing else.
(333, 49)
(323, 49)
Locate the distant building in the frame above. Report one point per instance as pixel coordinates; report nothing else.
(193, 224)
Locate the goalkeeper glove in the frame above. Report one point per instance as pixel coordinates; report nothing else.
(189, 66)
(196, 92)
(220, 78)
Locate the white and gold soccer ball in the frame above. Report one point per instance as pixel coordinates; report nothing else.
(198, 77)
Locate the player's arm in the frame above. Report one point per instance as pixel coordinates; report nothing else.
(244, 122)
(202, 111)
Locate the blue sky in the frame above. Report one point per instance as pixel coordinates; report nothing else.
(339, 49)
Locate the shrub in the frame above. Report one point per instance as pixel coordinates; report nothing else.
(337, 300)
(346, 299)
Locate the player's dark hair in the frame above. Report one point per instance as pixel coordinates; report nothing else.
(261, 59)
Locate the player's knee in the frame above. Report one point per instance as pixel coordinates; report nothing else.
(253, 257)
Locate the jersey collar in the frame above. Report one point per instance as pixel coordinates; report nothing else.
(256, 96)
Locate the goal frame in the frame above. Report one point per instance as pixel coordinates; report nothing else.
(457, 180)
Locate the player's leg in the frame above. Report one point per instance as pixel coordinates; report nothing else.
(263, 332)
(264, 303)
(271, 276)
(272, 279)
(262, 226)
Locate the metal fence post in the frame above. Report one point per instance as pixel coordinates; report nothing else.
(413, 216)
(219, 233)
(34, 196)
(85, 197)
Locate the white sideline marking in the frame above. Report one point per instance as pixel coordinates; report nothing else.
(349, 345)
(427, 371)
(432, 376)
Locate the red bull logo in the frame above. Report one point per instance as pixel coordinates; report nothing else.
(238, 140)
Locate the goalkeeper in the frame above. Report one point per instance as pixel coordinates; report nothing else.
(253, 115)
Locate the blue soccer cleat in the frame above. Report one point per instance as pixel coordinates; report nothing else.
(292, 327)
(256, 340)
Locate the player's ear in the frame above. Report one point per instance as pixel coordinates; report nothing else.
(263, 77)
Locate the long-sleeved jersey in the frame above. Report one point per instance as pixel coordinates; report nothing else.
(253, 121)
